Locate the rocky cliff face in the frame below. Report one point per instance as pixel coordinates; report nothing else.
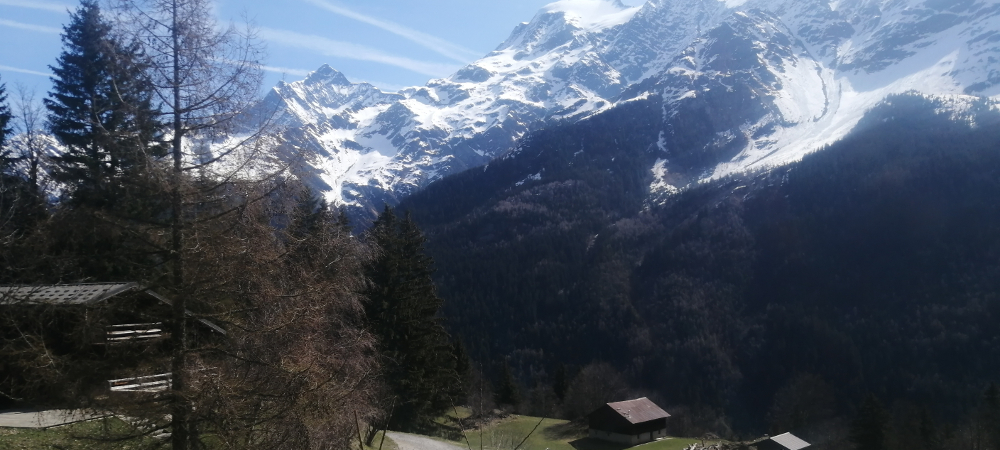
(745, 84)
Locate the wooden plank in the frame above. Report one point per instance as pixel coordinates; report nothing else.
(150, 383)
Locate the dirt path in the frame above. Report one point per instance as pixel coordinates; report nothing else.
(414, 442)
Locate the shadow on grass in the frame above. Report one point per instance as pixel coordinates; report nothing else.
(596, 444)
(445, 427)
(564, 431)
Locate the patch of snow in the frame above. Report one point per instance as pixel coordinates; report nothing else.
(803, 95)
(661, 143)
(660, 188)
(851, 96)
(535, 177)
(592, 15)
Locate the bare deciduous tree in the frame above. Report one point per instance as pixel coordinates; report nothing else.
(204, 78)
(31, 142)
(21, 183)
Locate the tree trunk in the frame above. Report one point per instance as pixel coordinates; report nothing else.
(179, 424)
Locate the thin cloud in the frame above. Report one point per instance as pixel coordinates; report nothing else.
(337, 49)
(29, 27)
(385, 87)
(29, 72)
(33, 4)
(285, 70)
(441, 46)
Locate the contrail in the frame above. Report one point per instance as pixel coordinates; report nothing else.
(33, 4)
(29, 72)
(29, 27)
(348, 50)
(441, 46)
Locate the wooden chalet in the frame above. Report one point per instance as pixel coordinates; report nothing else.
(787, 441)
(115, 335)
(629, 422)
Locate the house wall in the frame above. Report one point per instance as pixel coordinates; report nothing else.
(633, 439)
(768, 444)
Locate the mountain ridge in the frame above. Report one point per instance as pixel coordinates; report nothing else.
(767, 82)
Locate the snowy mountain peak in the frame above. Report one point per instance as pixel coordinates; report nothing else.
(591, 15)
(561, 22)
(327, 75)
(745, 84)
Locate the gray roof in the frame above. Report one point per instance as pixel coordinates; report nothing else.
(639, 410)
(790, 441)
(81, 294)
(64, 294)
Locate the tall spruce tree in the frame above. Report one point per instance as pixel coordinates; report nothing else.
(988, 417)
(868, 430)
(100, 109)
(7, 193)
(560, 382)
(5, 118)
(463, 371)
(507, 392)
(402, 310)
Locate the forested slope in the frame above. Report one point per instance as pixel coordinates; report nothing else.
(871, 265)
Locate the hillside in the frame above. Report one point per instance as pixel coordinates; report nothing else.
(871, 264)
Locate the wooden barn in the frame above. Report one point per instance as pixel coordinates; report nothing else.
(112, 336)
(629, 422)
(787, 441)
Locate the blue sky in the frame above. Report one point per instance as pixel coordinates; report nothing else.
(390, 43)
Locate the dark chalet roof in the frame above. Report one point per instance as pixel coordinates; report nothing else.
(65, 294)
(80, 294)
(639, 410)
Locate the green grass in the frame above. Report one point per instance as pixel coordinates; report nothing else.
(552, 434)
(84, 436)
(87, 436)
(387, 445)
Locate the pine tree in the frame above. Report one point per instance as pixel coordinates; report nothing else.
(560, 383)
(8, 196)
(310, 216)
(5, 128)
(100, 109)
(929, 436)
(463, 371)
(989, 416)
(869, 427)
(402, 310)
(507, 392)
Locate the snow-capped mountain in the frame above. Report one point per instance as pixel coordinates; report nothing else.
(750, 83)
(775, 80)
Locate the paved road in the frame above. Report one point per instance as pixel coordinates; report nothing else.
(42, 419)
(414, 442)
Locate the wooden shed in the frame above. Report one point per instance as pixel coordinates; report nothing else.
(630, 422)
(786, 441)
(117, 334)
